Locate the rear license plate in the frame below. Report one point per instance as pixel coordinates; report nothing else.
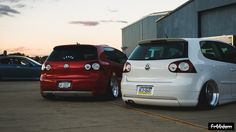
(64, 84)
(145, 90)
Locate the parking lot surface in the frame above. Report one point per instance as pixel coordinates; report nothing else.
(22, 109)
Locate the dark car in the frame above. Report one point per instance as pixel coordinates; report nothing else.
(82, 70)
(19, 68)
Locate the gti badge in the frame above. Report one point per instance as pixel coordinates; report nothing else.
(147, 67)
(66, 66)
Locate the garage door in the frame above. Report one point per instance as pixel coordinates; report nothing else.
(218, 21)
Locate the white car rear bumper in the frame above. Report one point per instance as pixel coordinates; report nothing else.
(164, 94)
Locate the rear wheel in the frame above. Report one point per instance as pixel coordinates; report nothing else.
(113, 89)
(209, 96)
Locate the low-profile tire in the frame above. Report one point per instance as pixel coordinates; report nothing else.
(209, 96)
(48, 96)
(113, 88)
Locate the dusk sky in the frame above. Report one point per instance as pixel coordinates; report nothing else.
(34, 27)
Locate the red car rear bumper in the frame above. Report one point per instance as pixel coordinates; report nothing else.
(94, 86)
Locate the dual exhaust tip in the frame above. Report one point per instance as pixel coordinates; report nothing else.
(129, 102)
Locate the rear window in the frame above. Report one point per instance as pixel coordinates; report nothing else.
(160, 50)
(73, 53)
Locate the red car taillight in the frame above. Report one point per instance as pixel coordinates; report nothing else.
(127, 67)
(87, 67)
(94, 66)
(46, 67)
(183, 66)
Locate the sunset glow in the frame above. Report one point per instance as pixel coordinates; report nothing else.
(34, 27)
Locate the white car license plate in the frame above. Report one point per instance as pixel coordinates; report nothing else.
(145, 90)
(64, 84)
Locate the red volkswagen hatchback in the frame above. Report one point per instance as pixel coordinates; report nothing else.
(82, 70)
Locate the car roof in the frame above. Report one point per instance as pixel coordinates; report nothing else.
(160, 39)
(176, 39)
(77, 45)
(13, 56)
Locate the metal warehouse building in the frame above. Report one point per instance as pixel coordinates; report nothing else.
(195, 18)
(142, 29)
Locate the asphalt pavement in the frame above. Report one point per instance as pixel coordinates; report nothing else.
(22, 109)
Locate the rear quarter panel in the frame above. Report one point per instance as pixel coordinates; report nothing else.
(208, 69)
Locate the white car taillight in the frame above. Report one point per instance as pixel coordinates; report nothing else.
(96, 66)
(173, 67)
(87, 67)
(182, 66)
(127, 67)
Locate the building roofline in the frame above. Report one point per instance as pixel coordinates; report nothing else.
(152, 14)
(175, 10)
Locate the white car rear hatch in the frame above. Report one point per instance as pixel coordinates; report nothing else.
(150, 60)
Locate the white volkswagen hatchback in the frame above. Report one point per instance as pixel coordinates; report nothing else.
(180, 72)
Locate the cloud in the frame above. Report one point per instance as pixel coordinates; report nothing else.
(7, 10)
(122, 21)
(20, 6)
(112, 10)
(107, 21)
(18, 49)
(85, 23)
(10, 1)
(114, 21)
(95, 23)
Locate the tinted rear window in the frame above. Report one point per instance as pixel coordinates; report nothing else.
(73, 53)
(160, 51)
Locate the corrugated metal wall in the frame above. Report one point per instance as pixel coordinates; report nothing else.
(179, 24)
(199, 18)
(218, 21)
(140, 30)
(130, 36)
(148, 27)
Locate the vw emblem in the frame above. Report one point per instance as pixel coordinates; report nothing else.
(66, 66)
(147, 67)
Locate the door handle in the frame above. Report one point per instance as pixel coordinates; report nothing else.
(17, 66)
